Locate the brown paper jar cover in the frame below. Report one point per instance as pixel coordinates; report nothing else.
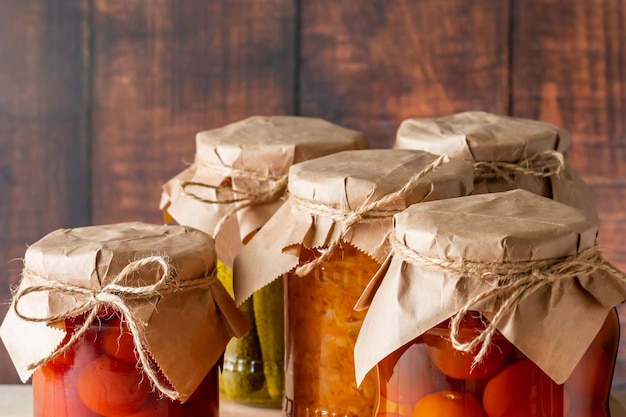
(240, 170)
(553, 325)
(333, 188)
(487, 137)
(185, 331)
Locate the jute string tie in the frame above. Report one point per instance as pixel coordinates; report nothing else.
(116, 296)
(507, 282)
(366, 212)
(544, 164)
(249, 198)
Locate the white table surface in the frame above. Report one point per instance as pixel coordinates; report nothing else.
(16, 401)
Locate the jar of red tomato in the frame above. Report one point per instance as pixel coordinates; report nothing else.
(326, 243)
(506, 309)
(98, 322)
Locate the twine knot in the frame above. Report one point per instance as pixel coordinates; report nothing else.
(508, 283)
(116, 296)
(276, 187)
(543, 164)
(367, 212)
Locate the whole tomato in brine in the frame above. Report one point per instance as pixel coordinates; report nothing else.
(523, 387)
(458, 364)
(449, 403)
(112, 388)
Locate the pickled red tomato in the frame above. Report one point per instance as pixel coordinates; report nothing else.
(449, 403)
(522, 385)
(118, 341)
(458, 364)
(407, 375)
(588, 387)
(589, 384)
(112, 388)
(592, 376)
(54, 397)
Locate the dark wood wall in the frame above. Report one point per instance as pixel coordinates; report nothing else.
(100, 99)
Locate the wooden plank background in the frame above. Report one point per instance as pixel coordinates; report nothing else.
(100, 99)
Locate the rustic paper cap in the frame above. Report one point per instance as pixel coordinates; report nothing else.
(449, 253)
(72, 271)
(349, 196)
(508, 152)
(240, 172)
(481, 136)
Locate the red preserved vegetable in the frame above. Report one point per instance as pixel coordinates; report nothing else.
(458, 364)
(448, 403)
(118, 342)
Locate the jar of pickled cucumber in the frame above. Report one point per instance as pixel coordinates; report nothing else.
(235, 184)
(507, 309)
(507, 152)
(325, 244)
(98, 322)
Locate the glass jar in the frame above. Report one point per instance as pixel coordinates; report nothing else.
(99, 375)
(326, 242)
(253, 364)
(428, 377)
(322, 328)
(234, 186)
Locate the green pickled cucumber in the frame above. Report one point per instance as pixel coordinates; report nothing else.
(225, 276)
(269, 321)
(243, 374)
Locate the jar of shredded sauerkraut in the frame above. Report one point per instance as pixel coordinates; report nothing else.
(326, 242)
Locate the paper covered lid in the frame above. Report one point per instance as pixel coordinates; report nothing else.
(348, 196)
(525, 257)
(481, 136)
(145, 272)
(240, 174)
(508, 152)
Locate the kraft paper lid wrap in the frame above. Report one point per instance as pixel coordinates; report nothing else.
(527, 258)
(348, 196)
(240, 173)
(159, 278)
(508, 152)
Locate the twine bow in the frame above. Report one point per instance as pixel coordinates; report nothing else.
(511, 282)
(116, 296)
(276, 189)
(544, 164)
(366, 212)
